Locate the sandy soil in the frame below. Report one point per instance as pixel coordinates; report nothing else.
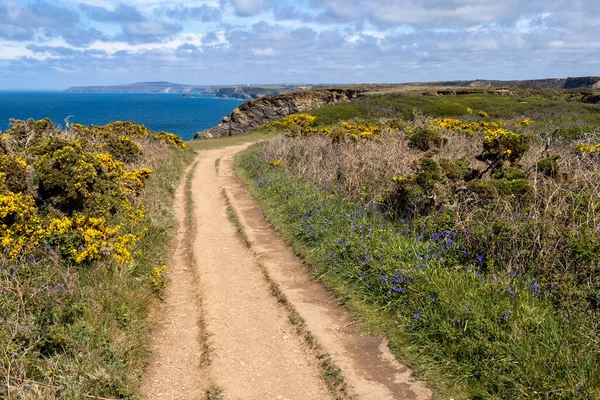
(219, 307)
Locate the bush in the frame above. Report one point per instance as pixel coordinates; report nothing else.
(426, 138)
(77, 265)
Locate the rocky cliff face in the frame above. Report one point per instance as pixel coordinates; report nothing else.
(255, 113)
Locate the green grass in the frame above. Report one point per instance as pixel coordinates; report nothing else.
(458, 325)
(574, 119)
(217, 143)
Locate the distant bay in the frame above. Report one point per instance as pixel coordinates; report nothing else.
(170, 112)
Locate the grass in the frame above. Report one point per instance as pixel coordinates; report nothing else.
(81, 330)
(214, 393)
(235, 219)
(572, 118)
(482, 296)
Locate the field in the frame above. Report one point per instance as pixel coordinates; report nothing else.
(85, 224)
(465, 228)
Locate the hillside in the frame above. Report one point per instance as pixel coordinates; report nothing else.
(252, 114)
(587, 82)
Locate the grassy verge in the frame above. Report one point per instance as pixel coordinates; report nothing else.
(471, 330)
(74, 298)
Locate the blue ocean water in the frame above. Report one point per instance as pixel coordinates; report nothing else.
(169, 112)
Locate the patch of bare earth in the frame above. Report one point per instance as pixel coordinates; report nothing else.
(254, 347)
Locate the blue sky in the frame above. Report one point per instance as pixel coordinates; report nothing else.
(57, 44)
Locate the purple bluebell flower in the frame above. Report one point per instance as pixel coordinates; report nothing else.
(512, 291)
(332, 254)
(417, 315)
(480, 258)
(363, 276)
(397, 289)
(535, 288)
(431, 298)
(507, 314)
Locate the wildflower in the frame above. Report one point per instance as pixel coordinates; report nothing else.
(507, 314)
(535, 288)
(431, 298)
(417, 315)
(512, 291)
(332, 254)
(479, 258)
(397, 289)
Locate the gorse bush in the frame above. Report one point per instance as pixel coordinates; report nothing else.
(476, 242)
(82, 255)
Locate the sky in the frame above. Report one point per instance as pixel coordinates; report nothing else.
(61, 43)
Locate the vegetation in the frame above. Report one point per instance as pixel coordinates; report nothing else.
(468, 232)
(85, 223)
(553, 110)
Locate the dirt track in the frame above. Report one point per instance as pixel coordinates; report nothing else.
(222, 329)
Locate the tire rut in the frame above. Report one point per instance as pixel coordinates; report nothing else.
(250, 323)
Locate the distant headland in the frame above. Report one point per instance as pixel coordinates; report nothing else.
(221, 91)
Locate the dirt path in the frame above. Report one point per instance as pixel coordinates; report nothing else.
(255, 349)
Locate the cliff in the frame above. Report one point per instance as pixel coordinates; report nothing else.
(253, 114)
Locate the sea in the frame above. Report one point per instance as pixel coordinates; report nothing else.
(168, 112)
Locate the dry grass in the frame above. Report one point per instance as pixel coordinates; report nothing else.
(564, 211)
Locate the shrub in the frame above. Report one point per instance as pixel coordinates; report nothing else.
(76, 260)
(426, 138)
(548, 166)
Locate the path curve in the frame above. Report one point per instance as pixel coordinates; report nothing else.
(254, 349)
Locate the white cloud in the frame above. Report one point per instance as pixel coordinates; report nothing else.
(248, 8)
